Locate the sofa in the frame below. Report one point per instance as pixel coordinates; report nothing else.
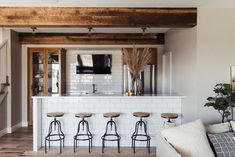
(191, 139)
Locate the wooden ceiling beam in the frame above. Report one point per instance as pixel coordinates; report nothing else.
(97, 17)
(91, 39)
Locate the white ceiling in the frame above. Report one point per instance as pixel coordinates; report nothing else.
(121, 3)
(94, 30)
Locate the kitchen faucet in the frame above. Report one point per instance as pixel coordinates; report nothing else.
(94, 88)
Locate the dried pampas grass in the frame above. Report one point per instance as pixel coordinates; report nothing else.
(136, 59)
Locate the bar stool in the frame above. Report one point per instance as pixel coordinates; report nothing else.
(59, 136)
(136, 136)
(84, 136)
(111, 136)
(169, 116)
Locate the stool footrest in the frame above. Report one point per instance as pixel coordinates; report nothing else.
(60, 137)
(82, 135)
(116, 137)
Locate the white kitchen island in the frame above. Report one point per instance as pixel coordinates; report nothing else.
(98, 104)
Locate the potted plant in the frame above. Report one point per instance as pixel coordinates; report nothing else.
(223, 101)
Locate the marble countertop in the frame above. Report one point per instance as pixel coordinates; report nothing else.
(110, 95)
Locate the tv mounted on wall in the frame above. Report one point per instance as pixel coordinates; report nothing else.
(94, 64)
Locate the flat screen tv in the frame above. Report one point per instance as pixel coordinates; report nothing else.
(94, 64)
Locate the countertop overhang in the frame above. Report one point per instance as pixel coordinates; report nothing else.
(112, 95)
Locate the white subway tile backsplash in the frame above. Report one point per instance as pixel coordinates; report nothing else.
(83, 82)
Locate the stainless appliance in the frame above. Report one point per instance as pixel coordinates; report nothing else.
(148, 79)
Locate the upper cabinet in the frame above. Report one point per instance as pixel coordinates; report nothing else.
(47, 73)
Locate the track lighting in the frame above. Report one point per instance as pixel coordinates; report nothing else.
(34, 30)
(143, 29)
(89, 29)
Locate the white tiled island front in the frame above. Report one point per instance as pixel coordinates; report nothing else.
(97, 105)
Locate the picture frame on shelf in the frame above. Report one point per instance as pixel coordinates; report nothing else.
(232, 74)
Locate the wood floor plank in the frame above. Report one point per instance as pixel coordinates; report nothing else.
(20, 142)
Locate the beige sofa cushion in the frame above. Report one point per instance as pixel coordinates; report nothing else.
(189, 139)
(164, 149)
(218, 128)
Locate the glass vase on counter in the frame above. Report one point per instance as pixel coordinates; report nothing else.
(136, 86)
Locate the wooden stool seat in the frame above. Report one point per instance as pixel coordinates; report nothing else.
(111, 114)
(169, 115)
(83, 115)
(55, 114)
(141, 114)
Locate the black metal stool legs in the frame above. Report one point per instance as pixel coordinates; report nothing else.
(59, 136)
(111, 136)
(87, 134)
(144, 135)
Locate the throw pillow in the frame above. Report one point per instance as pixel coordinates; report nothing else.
(189, 139)
(218, 128)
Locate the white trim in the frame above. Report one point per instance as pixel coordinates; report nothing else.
(163, 73)
(3, 132)
(7, 36)
(24, 88)
(14, 128)
(37, 125)
(25, 124)
(171, 66)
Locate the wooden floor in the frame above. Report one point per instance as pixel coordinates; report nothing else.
(19, 143)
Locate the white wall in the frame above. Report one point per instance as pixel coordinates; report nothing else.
(216, 53)
(83, 82)
(202, 57)
(182, 44)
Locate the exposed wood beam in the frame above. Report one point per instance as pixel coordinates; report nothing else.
(97, 17)
(91, 39)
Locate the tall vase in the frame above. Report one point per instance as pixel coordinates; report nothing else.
(136, 86)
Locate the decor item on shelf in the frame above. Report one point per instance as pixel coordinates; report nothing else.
(224, 101)
(136, 60)
(232, 73)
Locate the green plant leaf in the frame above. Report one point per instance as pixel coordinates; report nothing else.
(223, 100)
